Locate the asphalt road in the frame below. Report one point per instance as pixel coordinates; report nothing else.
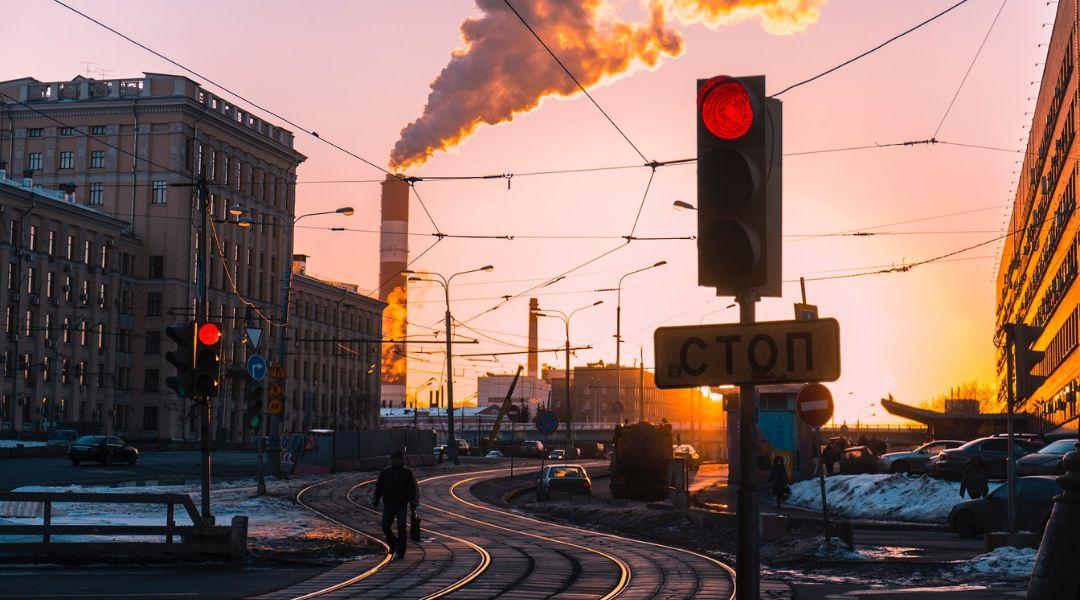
(153, 468)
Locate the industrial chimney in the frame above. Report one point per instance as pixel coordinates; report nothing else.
(534, 306)
(393, 257)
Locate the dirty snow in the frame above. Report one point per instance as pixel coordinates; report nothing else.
(1006, 562)
(881, 497)
(23, 443)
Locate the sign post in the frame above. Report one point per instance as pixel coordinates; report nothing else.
(546, 423)
(814, 405)
(512, 412)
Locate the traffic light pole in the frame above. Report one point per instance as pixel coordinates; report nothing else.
(202, 315)
(747, 554)
(1010, 461)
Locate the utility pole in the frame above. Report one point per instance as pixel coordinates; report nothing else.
(746, 569)
(451, 444)
(569, 402)
(202, 312)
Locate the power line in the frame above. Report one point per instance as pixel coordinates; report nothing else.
(963, 80)
(575, 80)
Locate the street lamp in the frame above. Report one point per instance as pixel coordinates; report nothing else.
(618, 338)
(558, 314)
(683, 205)
(858, 415)
(451, 444)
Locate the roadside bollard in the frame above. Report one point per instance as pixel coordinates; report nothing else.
(1056, 575)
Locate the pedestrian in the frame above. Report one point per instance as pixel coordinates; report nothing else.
(829, 456)
(973, 479)
(779, 480)
(397, 488)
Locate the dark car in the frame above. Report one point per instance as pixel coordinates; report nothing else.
(858, 459)
(1034, 501)
(914, 461)
(1047, 461)
(993, 450)
(691, 456)
(567, 479)
(103, 449)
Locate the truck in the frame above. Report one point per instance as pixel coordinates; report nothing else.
(639, 463)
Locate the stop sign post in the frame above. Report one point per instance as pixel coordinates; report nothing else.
(814, 405)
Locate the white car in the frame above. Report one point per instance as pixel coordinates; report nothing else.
(914, 461)
(494, 454)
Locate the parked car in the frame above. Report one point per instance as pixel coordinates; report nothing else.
(558, 454)
(858, 459)
(462, 446)
(914, 461)
(103, 449)
(1047, 461)
(494, 454)
(568, 479)
(949, 464)
(532, 449)
(1034, 501)
(687, 453)
(62, 437)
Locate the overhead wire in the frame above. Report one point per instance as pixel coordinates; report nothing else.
(964, 79)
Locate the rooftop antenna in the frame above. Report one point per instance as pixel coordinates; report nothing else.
(87, 64)
(102, 72)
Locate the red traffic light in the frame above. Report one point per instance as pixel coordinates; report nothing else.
(725, 108)
(209, 334)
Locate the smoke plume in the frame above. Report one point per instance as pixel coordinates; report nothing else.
(393, 363)
(502, 71)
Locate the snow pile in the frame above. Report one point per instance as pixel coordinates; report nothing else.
(880, 497)
(1005, 562)
(23, 443)
(837, 550)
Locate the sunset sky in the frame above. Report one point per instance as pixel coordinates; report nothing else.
(358, 72)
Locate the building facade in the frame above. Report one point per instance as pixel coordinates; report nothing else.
(132, 149)
(529, 392)
(1035, 283)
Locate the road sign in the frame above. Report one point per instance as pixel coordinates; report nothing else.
(546, 422)
(617, 407)
(805, 312)
(768, 352)
(814, 404)
(513, 411)
(254, 336)
(274, 406)
(277, 371)
(256, 367)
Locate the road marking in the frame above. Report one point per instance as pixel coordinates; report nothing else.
(914, 590)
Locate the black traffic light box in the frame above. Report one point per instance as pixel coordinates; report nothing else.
(1026, 360)
(740, 201)
(253, 397)
(207, 360)
(182, 358)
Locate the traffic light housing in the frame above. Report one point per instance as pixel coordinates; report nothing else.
(739, 133)
(182, 358)
(207, 360)
(254, 404)
(1026, 359)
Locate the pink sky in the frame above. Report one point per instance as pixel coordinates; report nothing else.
(357, 72)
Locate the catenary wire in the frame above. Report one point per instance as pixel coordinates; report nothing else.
(963, 80)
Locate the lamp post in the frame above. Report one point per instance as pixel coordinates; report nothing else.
(618, 337)
(858, 416)
(451, 444)
(558, 314)
(274, 449)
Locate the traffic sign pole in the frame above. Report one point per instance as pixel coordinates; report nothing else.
(821, 479)
(814, 405)
(748, 556)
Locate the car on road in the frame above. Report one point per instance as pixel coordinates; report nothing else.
(532, 449)
(949, 464)
(558, 454)
(914, 461)
(687, 453)
(858, 459)
(566, 479)
(1047, 461)
(102, 449)
(494, 454)
(62, 437)
(1034, 501)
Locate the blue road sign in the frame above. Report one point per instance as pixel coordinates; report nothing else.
(547, 422)
(256, 367)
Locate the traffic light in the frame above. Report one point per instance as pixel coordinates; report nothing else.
(183, 358)
(739, 133)
(254, 404)
(207, 360)
(1026, 359)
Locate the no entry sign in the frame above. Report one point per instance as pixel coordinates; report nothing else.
(814, 404)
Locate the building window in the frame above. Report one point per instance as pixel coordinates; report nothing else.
(65, 371)
(67, 159)
(52, 242)
(99, 130)
(152, 380)
(157, 267)
(35, 132)
(50, 285)
(97, 159)
(149, 418)
(160, 188)
(46, 326)
(33, 161)
(97, 193)
(65, 330)
(84, 293)
(69, 247)
(153, 304)
(9, 318)
(67, 131)
(67, 288)
(33, 238)
(29, 323)
(105, 254)
(14, 234)
(31, 280)
(13, 276)
(153, 342)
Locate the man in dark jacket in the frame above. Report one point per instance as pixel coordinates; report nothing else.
(973, 480)
(397, 488)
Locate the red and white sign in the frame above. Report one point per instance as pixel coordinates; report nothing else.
(814, 404)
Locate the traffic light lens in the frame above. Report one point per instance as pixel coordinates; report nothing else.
(732, 182)
(725, 108)
(736, 248)
(209, 334)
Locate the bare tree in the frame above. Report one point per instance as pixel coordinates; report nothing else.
(984, 393)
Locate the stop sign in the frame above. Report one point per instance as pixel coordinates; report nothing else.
(814, 404)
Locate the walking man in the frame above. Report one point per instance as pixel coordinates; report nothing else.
(397, 488)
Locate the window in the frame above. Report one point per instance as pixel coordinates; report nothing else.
(153, 342)
(35, 132)
(84, 292)
(69, 247)
(33, 161)
(46, 326)
(14, 233)
(67, 288)
(33, 238)
(67, 159)
(103, 295)
(31, 280)
(149, 418)
(50, 285)
(225, 169)
(87, 251)
(157, 267)
(159, 190)
(104, 264)
(29, 323)
(152, 380)
(67, 131)
(9, 318)
(97, 193)
(65, 330)
(13, 276)
(153, 304)
(99, 130)
(52, 243)
(994, 446)
(97, 159)
(46, 372)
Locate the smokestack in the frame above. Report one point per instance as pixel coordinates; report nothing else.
(534, 306)
(393, 257)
